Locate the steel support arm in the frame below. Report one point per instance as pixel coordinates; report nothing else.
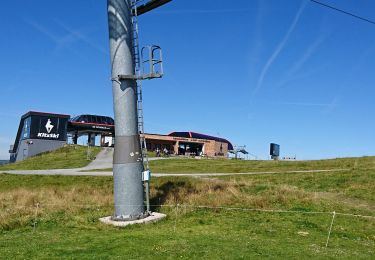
(151, 5)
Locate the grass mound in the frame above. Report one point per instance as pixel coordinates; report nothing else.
(69, 156)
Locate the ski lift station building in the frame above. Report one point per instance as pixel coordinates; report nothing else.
(40, 132)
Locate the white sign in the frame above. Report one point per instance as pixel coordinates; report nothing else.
(49, 128)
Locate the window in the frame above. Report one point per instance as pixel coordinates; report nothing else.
(84, 119)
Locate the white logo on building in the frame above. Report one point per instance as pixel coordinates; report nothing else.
(49, 126)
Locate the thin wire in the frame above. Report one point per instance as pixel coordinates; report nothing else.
(88, 206)
(344, 12)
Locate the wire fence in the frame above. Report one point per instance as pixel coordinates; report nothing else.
(334, 213)
(176, 212)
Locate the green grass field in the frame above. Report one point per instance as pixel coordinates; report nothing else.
(70, 156)
(57, 216)
(237, 166)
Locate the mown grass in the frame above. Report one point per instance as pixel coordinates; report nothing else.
(57, 217)
(70, 156)
(200, 234)
(237, 166)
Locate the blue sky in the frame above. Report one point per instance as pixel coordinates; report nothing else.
(254, 72)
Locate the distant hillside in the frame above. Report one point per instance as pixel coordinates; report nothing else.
(3, 162)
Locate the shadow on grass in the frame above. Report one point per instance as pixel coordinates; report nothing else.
(171, 192)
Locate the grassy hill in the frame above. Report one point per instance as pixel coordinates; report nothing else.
(75, 156)
(57, 216)
(70, 156)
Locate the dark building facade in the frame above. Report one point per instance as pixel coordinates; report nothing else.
(37, 133)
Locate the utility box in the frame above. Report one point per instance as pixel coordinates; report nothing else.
(146, 176)
(38, 133)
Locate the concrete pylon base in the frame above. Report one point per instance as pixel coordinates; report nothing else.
(154, 217)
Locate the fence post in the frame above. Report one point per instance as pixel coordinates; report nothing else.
(36, 216)
(175, 220)
(330, 228)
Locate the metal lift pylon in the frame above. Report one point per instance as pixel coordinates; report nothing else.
(129, 67)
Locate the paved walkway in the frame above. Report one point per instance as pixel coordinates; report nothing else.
(104, 160)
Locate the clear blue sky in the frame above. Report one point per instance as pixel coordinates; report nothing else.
(254, 72)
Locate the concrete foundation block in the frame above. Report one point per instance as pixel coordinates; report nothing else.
(154, 217)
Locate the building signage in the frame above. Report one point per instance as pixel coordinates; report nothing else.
(101, 127)
(47, 127)
(190, 140)
(44, 135)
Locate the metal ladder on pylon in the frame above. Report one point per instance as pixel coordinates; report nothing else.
(138, 75)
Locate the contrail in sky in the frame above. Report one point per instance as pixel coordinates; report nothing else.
(79, 35)
(44, 30)
(278, 49)
(299, 63)
(306, 56)
(254, 53)
(202, 11)
(64, 41)
(329, 106)
(305, 104)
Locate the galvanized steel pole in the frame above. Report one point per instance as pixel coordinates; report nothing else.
(127, 161)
